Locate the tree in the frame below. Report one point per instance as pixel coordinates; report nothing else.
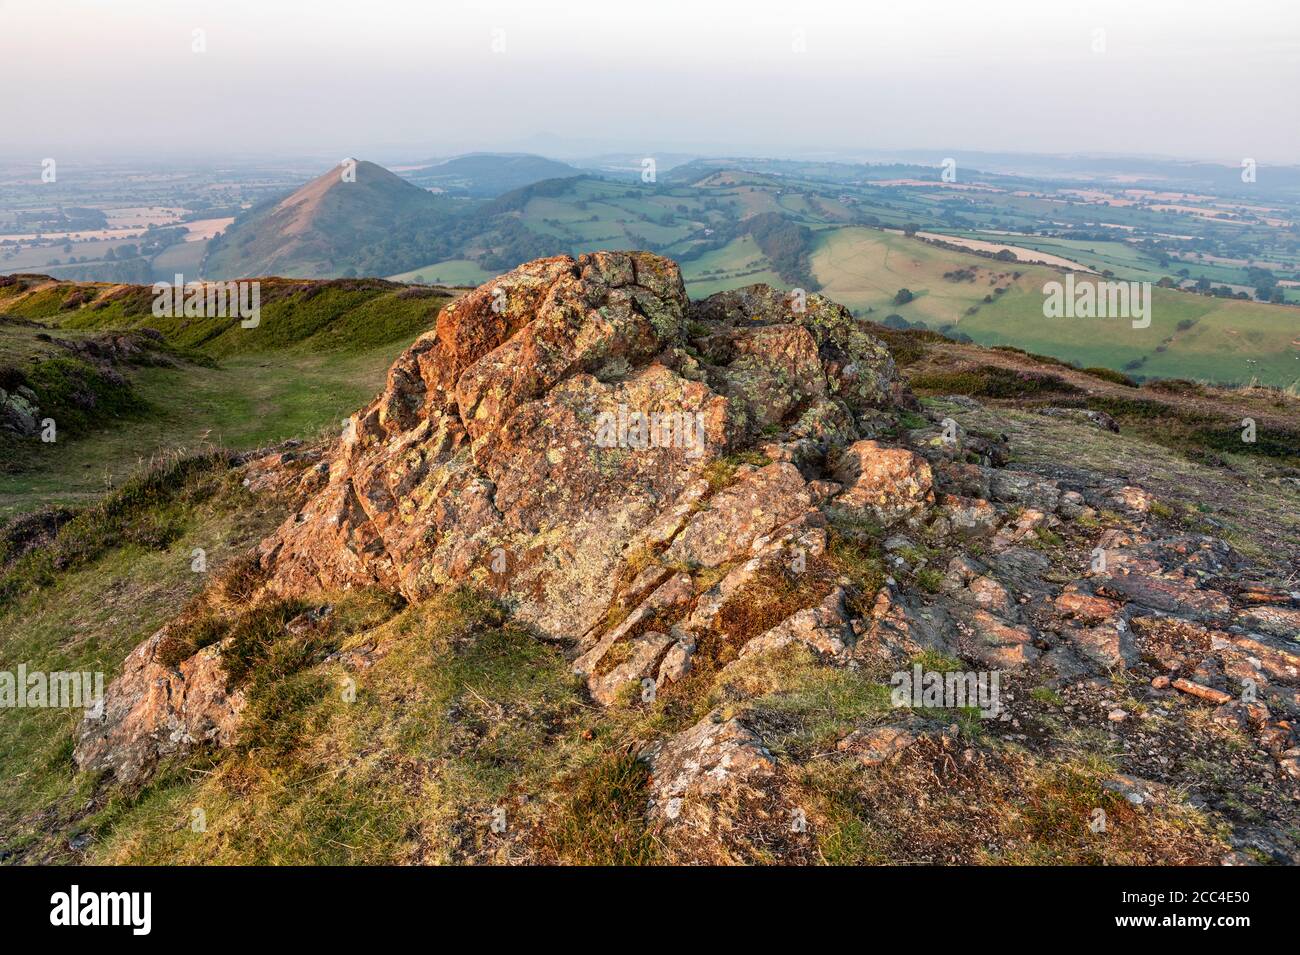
(903, 296)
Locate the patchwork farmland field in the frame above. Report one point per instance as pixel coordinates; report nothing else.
(1193, 336)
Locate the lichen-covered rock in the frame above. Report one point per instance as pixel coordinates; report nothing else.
(891, 483)
(761, 500)
(860, 371)
(153, 711)
(553, 423)
(19, 411)
(709, 784)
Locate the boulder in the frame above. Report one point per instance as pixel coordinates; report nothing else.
(152, 712)
(890, 483)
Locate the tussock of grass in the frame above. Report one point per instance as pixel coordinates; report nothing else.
(1046, 539)
(858, 557)
(802, 706)
(1109, 374)
(929, 579)
(935, 662)
(1045, 694)
(774, 594)
(603, 821)
(907, 346)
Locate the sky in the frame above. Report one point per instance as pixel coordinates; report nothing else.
(392, 78)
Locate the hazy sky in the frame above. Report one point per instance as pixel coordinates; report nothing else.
(387, 78)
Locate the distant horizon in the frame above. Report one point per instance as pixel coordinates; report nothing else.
(390, 155)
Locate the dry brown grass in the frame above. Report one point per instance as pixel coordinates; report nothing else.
(942, 802)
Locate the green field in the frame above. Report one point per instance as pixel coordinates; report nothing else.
(1223, 340)
(449, 272)
(739, 262)
(1122, 258)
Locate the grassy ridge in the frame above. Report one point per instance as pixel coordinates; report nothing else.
(320, 351)
(342, 313)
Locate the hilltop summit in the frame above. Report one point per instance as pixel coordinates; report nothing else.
(323, 228)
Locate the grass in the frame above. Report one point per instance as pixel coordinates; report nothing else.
(246, 402)
(1195, 431)
(991, 381)
(721, 472)
(449, 272)
(78, 396)
(320, 351)
(148, 510)
(464, 714)
(804, 707)
(926, 807)
(1045, 694)
(929, 579)
(603, 821)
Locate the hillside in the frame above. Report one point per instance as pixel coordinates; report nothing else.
(331, 226)
(124, 385)
(602, 574)
(729, 228)
(815, 227)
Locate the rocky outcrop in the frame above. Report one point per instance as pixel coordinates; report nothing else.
(555, 415)
(557, 425)
(670, 491)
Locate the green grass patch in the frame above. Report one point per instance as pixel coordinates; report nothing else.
(148, 510)
(991, 381)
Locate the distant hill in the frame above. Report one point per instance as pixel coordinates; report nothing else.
(330, 227)
(488, 175)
